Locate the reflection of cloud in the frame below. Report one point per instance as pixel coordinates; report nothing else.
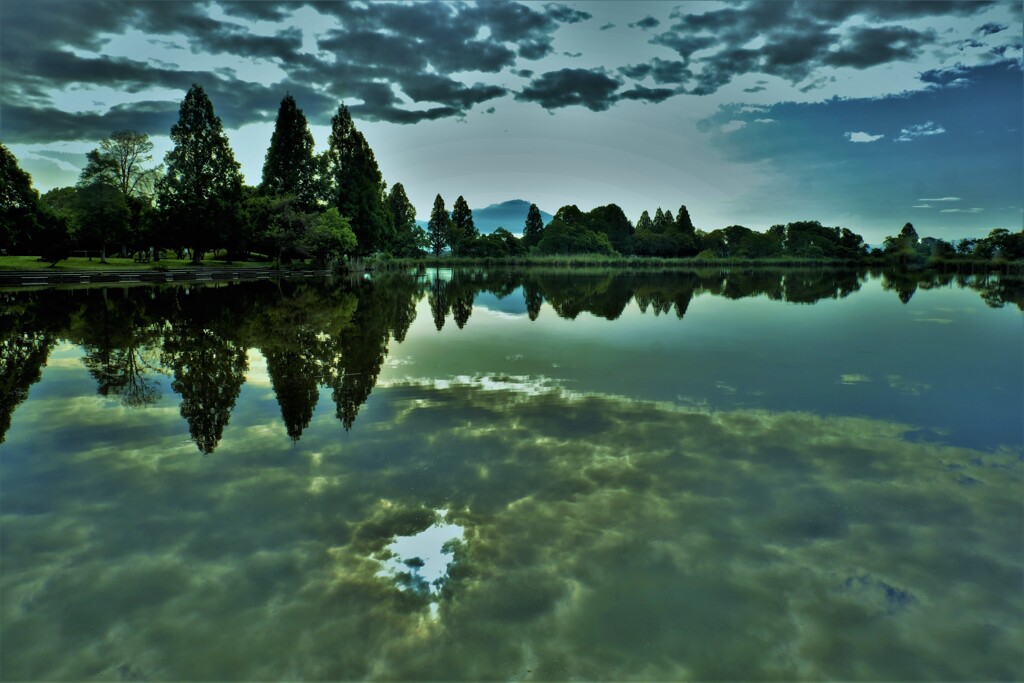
(853, 379)
(604, 538)
(907, 386)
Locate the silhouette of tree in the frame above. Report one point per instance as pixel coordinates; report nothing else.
(290, 166)
(355, 186)
(534, 227)
(120, 161)
(19, 205)
(410, 239)
(462, 230)
(200, 194)
(438, 227)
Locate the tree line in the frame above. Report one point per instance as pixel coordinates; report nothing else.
(325, 207)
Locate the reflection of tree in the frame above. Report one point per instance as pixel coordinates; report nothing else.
(439, 301)
(534, 299)
(121, 343)
(293, 331)
(357, 354)
(202, 348)
(22, 356)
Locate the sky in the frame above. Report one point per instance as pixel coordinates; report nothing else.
(856, 113)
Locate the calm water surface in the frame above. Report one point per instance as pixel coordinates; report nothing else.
(516, 476)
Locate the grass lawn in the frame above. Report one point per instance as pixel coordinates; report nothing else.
(81, 263)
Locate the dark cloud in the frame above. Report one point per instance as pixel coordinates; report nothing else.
(607, 26)
(661, 71)
(866, 47)
(990, 28)
(417, 47)
(797, 39)
(646, 23)
(565, 14)
(641, 93)
(594, 90)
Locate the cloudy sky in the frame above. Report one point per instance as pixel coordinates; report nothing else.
(855, 113)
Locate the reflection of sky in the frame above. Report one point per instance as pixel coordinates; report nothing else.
(602, 538)
(963, 377)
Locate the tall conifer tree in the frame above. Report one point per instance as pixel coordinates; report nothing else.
(201, 193)
(533, 228)
(463, 230)
(439, 226)
(355, 184)
(290, 167)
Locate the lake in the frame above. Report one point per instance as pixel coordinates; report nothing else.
(532, 475)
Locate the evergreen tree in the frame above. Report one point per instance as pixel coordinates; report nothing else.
(410, 239)
(683, 223)
(19, 204)
(290, 166)
(354, 184)
(644, 223)
(200, 196)
(462, 230)
(438, 227)
(534, 227)
(665, 223)
(658, 224)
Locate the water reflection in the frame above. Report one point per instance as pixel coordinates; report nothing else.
(337, 334)
(672, 543)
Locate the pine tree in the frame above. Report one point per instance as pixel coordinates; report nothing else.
(658, 224)
(290, 167)
(644, 223)
(683, 223)
(354, 184)
(410, 239)
(534, 227)
(438, 227)
(463, 231)
(200, 196)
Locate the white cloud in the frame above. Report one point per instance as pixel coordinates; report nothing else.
(764, 120)
(939, 199)
(972, 210)
(920, 130)
(862, 137)
(921, 206)
(732, 126)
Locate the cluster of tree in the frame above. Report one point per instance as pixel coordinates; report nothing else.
(907, 248)
(313, 206)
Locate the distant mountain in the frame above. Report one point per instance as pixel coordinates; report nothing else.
(510, 215)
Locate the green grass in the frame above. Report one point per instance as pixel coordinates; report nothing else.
(81, 264)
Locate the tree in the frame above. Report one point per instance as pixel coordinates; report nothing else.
(328, 238)
(103, 216)
(663, 221)
(201, 193)
(120, 161)
(534, 227)
(410, 239)
(438, 227)
(19, 204)
(683, 223)
(290, 166)
(645, 222)
(462, 229)
(354, 184)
